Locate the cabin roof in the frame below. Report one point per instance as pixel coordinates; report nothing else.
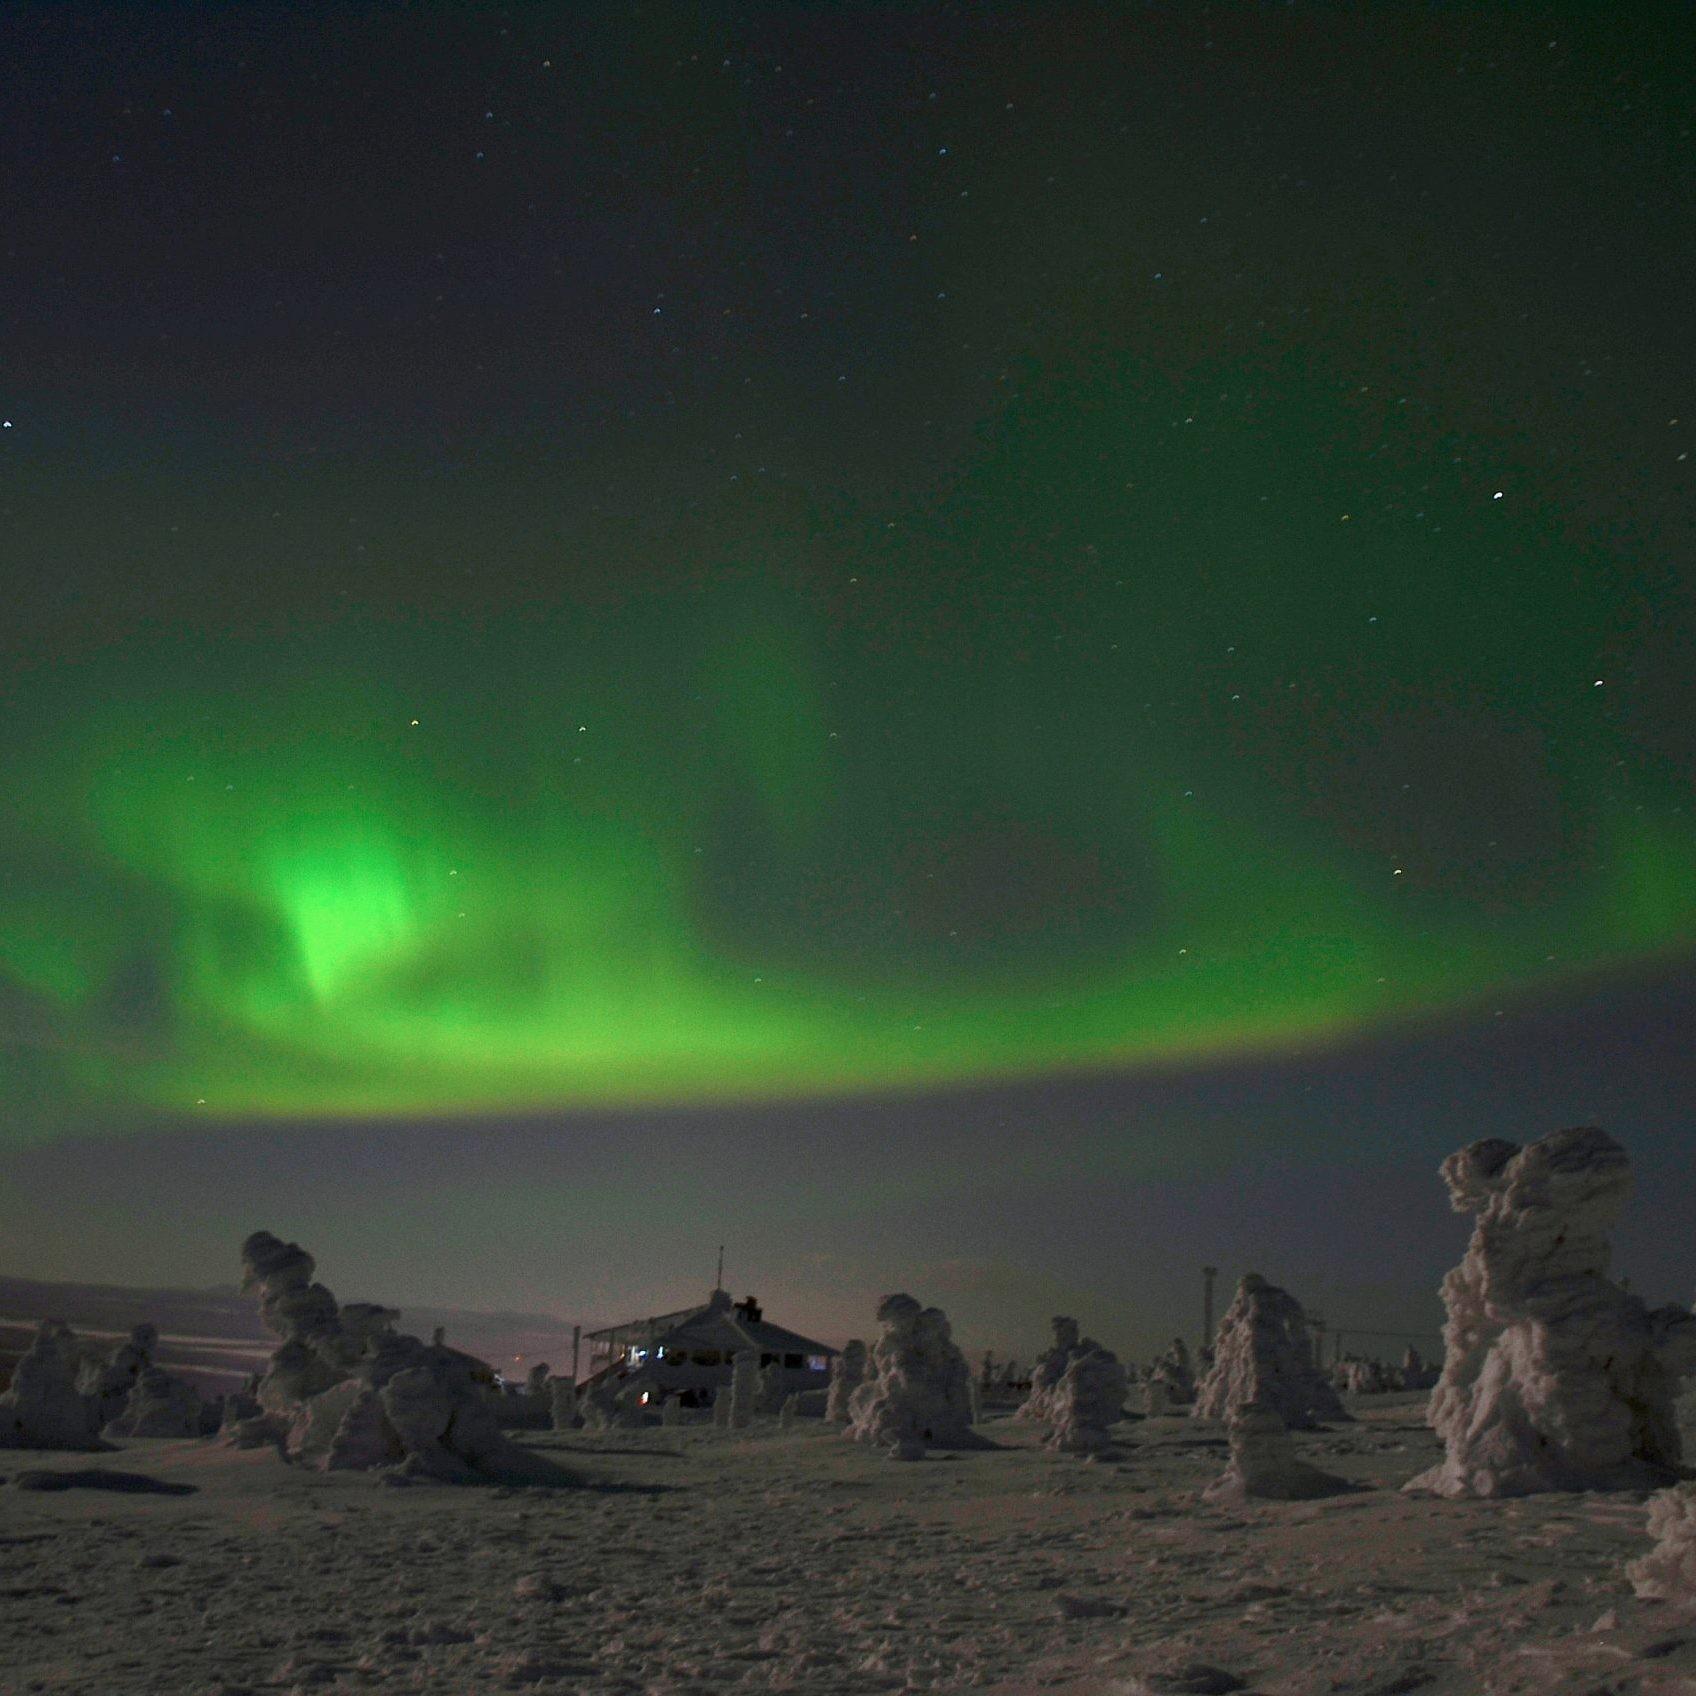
(732, 1331)
(717, 1324)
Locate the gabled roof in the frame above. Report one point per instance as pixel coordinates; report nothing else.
(654, 1322)
(728, 1331)
(716, 1324)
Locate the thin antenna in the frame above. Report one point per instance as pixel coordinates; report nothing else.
(718, 1282)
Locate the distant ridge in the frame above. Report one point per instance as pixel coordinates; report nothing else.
(213, 1335)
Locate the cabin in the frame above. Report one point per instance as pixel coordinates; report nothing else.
(688, 1354)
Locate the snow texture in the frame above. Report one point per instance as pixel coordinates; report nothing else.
(1263, 1354)
(1175, 1377)
(801, 1563)
(1049, 1370)
(916, 1395)
(744, 1388)
(1554, 1378)
(345, 1390)
(1668, 1572)
(1415, 1374)
(1263, 1462)
(1358, 1376)
(44, 1409)
(160, 1405)
(109, 1381)
(611, 1405)
(847, 1373)
(562, 1403)
(1087, 1402)
(1158, 1400)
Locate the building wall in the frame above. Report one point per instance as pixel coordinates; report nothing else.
(678, 1378)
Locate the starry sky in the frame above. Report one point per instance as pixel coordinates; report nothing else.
(992, 649)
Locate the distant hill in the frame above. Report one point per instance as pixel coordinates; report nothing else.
(213, 1336)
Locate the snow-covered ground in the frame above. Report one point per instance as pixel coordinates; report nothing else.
(693, 1560)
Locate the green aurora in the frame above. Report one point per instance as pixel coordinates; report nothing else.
(1141, 733)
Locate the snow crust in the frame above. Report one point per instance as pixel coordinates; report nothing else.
(772, 1560)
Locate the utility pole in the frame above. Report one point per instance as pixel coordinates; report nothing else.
(1208, 1274)
(718, 1277)
(1317, 1321)
(576, 1349)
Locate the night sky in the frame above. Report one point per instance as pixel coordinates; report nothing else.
(992, 649)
